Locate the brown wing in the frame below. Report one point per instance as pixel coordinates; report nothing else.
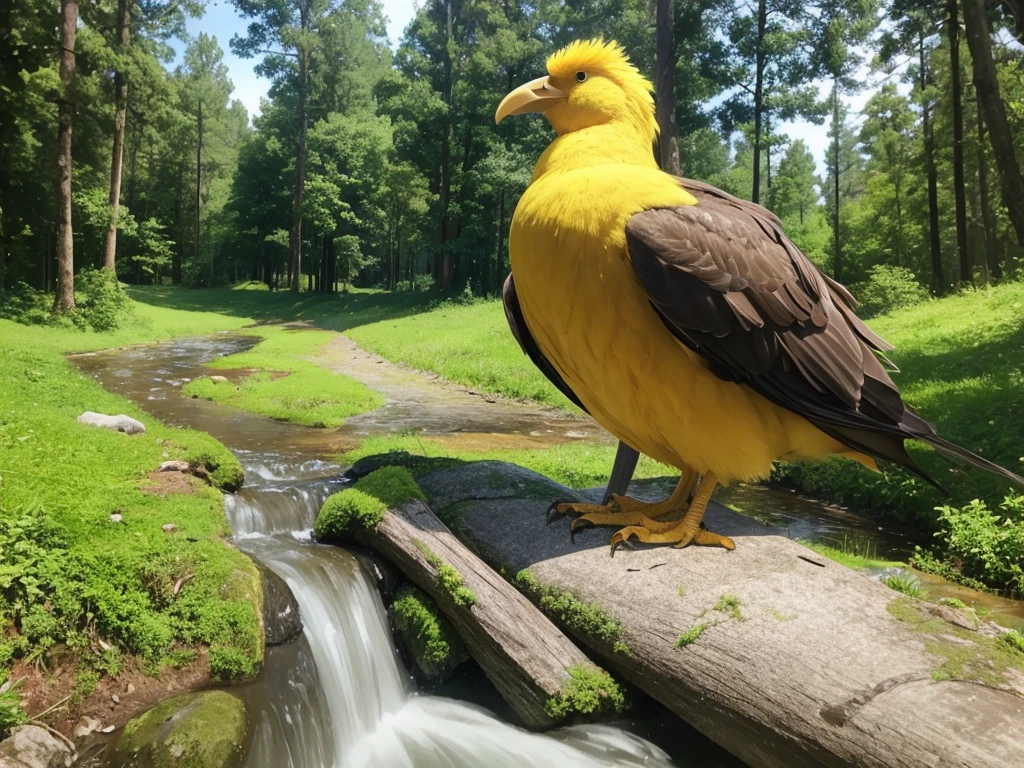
(516, 321)
(730, 285)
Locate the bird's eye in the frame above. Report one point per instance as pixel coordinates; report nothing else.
(581, 76)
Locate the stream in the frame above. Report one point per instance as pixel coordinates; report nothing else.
(340, 696)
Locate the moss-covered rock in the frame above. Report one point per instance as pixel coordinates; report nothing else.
(195, 730)
(362, 507)
(430, 639)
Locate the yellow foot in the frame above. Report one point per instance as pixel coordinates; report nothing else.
(619, 511)
(678, 534)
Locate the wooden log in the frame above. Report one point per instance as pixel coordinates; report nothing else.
(784, 658)
(534, 666)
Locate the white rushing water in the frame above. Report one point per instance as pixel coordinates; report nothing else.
(340, 697)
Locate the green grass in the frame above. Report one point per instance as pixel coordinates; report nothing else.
(576, 464)
(287, 386)
(60, 481)
(858, 561)
(962, 367)
(361, 508)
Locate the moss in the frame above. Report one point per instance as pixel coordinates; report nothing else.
(777, 615)
(729, 604)
(449, 579)
(963, 654)
(224, 468)
(361, 508)
(568, 610)
(953, 602)
(433, 641)
(204, 730)
(690, 636)
(681, 590)
(590, 692)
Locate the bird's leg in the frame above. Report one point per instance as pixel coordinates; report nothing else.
(678, 533)
(625, 510)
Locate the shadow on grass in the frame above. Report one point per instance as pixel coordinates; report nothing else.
(337, 312)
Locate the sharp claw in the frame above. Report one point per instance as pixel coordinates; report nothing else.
(553, 513)
(619, 540)
(576, 525)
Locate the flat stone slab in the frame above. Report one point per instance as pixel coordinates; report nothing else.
(119, 423)
(777, 654)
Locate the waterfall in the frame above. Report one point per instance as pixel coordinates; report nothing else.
(340, 697)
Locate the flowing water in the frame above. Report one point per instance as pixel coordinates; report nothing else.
(340, 696)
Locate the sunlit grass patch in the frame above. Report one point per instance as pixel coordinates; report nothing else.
(285, 385)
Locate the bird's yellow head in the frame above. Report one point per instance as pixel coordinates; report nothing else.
(589, 82)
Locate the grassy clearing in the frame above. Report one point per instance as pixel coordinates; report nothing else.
(468, 343)
(858, 561)
(70, 575)
(286, 385)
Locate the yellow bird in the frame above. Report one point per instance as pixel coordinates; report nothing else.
(681, 318)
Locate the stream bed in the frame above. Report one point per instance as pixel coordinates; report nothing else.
(340, 696)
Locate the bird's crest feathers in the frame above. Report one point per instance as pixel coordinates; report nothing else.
(607, 59)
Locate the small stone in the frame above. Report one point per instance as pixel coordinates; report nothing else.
(218, 379)
(119, 423)
(174, 466)
(130, 689)
(169, 527)
(116, 517)
(107, 729)
(86, 726)
(165, 455)
(115, 698)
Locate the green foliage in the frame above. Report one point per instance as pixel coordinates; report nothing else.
(986, 544)
(903, 581)
(362, 507)
(11, 713)
(67, 571)
(435, 644)
(101, 303)
(852, 554)
(590, 692)
(888, 289)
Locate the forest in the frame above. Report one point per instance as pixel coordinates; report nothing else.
(377, 167)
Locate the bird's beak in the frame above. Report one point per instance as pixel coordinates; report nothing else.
(536, 96)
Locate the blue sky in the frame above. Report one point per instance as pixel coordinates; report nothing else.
(222, 22)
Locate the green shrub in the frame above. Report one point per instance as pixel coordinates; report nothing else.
(889, 288)
(983, 544)
(101, 302)
(11, 713)
(227, 663)
(26, 305)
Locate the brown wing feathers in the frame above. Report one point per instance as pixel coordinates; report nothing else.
(731, 286)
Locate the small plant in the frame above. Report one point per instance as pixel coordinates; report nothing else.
(1013, 639)
(729, 604)
(953, 602)
(690, 636)
(11, 713)
(449, 578)
(903, 581)
(590, 691)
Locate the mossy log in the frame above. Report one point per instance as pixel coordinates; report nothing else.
(779, 655)
(542, 675)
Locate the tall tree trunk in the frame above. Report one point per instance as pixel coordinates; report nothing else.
(762, 23)
(124, 11)
(199, 184)
(442, 264)
(295, 239)
(987, 85)
(64, 301)
(959, 190)
(837, 246)
(665, 88)
(332, 266)
(935, 245)
(176, 257)
(995, 267)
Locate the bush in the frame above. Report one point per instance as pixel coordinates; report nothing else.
(887, 289)
(985, 545)
(101, 302)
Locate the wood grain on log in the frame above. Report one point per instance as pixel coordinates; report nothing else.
(800, 661)
(522, 652)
